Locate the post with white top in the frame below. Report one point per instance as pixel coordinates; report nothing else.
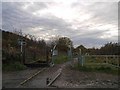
(79, 57)
(22, 50)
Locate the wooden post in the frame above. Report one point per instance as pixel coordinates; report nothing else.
(24, 54)
(106, 59)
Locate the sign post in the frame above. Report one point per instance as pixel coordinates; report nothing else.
(22, 50)
(70, 53)
(80, 58)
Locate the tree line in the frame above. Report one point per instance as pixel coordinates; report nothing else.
(107, 49)
(37, 48)
(34, 48)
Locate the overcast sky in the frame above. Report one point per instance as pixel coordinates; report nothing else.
(91, 24)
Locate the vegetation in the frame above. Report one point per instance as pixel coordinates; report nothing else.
(98, 64)
(64, 44)
(107, 49)
(13, 66)
(34, 49)
(97, 68)
(38, 49)
(102, 59)
(11, 53)
(60, 59)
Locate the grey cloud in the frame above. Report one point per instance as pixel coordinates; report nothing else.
(104, 12)
(13, 15)
(37, 6)
(90, 42)
(24, 20)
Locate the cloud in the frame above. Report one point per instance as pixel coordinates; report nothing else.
(88, 23)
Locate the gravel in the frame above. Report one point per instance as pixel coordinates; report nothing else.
(69, 78)
(77, 79)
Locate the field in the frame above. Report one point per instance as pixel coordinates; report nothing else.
(110, 59)
(107, 64)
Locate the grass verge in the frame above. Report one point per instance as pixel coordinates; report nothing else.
(102, 68)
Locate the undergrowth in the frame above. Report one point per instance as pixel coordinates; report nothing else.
(13, 66)
(100, 68)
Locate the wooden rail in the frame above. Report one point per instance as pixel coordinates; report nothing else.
(29, 78)
(55, 76)
(54, 79)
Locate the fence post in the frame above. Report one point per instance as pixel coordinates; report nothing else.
(106, 59)
(80, 58)
(83, 60)
(70, 53)
(118, 60)
(24, 54)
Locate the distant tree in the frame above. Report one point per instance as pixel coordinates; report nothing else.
(64, 43)
(110, 49)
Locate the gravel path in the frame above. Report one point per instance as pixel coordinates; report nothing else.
(69, 78)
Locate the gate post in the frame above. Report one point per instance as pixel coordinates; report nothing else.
(70, 53)
(22, 44)
(80, 58)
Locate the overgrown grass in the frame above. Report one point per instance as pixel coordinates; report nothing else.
(89, 59)
(97, 68)
(13, 66)
(60, 59)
